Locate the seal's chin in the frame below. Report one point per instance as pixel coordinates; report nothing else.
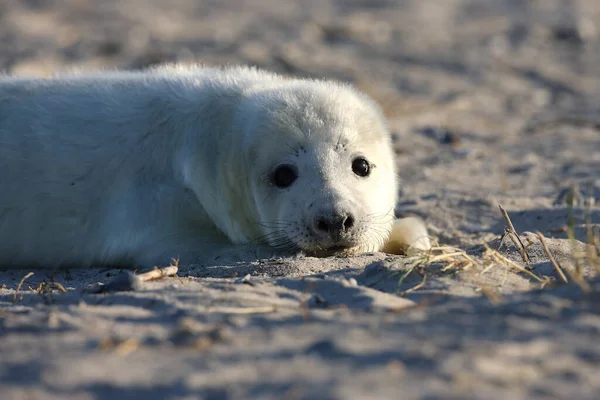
(337, 250)
(324, 248)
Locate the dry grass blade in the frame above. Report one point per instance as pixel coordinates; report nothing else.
(407, 272)
(553, 261)
(592, 237)
(571, 233)
(576, 276)
(60, 287)
(416, 287)
(45, 287)
(455, 258)
(596, 248)
(495, 256)
(28, 275)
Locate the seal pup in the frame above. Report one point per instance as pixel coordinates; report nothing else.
(135, 168)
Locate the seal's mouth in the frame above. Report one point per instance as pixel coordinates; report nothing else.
(337, 249)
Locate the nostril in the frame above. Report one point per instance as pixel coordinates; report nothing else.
(348, 223)
(334, 225)
(322, 225)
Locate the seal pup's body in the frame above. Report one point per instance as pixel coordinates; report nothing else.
(137, 168)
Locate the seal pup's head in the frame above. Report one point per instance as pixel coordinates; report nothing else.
(320, 166)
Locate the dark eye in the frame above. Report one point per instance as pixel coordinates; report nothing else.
(284, 176)
(361, 167)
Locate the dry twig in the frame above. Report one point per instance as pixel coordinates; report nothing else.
(514, 236)
(553, 261)
(160, 273)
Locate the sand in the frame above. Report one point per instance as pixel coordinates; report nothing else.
(491, 102)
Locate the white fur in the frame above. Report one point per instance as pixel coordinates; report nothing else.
(408, 234)
(136, 168)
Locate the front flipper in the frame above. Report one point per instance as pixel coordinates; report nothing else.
(407, 233)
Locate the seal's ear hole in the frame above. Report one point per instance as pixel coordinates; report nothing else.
(284, 175)
(361, 167)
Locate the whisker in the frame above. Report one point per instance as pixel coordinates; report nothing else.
(273, 225)
(269, 237)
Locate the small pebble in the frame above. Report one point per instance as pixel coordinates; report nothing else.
(351, 282)
(245, 280)
(316, 301)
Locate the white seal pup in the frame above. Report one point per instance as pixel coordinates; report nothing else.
(136, 168)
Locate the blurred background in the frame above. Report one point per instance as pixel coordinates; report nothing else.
(484, 97)
(516, 55)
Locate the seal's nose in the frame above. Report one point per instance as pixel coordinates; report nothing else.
(334, 225)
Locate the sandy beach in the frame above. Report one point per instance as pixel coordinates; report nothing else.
(491, 103)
